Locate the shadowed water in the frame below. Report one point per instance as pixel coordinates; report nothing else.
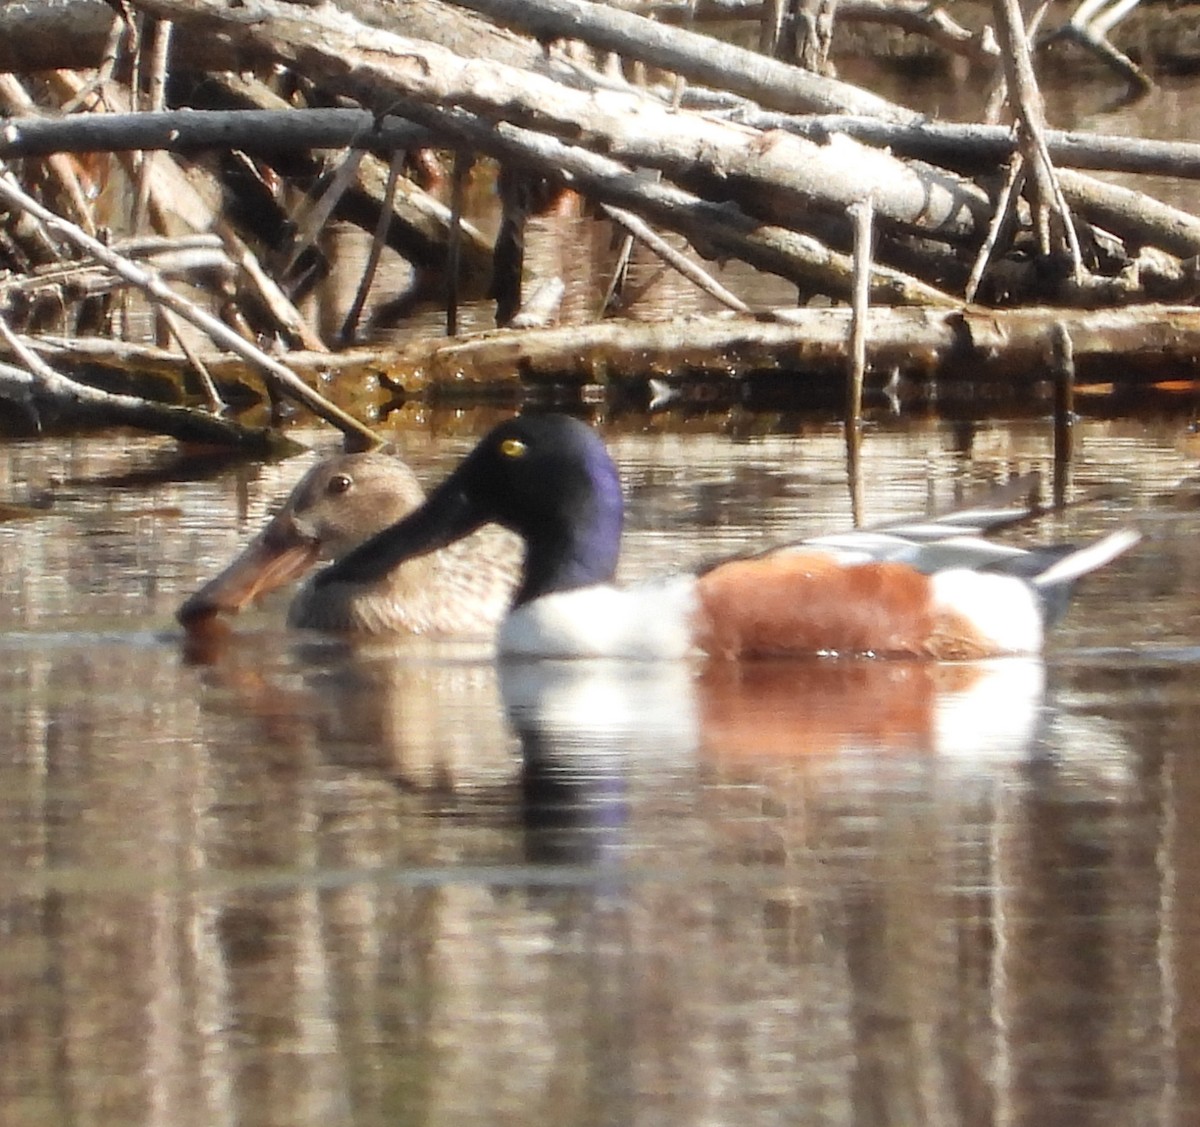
(288, 880)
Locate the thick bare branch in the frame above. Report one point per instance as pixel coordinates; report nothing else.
(698, 58)
(411, 77)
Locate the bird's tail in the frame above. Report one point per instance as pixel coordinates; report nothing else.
(1066, 569)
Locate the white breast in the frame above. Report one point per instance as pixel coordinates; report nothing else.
(642, 622)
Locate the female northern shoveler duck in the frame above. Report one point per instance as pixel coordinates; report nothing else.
(338, 504)
(903, 591)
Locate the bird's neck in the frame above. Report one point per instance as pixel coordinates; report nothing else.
(564, 555)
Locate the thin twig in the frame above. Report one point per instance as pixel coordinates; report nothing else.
(1063, 349)
(378, 242)
(463, 163)
(862, 215)
(160, 48)
(1006, 206)
(171, 321)
(63, 169)
(1089, 27)
(276, 301)
(311, 222)
(620, 271)
(693, 271)
(1046, 198)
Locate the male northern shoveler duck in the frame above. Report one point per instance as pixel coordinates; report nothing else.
(338, 504)
(904, 591)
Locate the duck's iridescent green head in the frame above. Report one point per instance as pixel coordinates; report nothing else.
(546, 477)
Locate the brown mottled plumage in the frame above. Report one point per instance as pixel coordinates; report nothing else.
(462, 590)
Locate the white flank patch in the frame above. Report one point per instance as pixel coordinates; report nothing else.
(1004, 610)
(642, 622)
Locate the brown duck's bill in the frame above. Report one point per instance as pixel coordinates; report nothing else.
(266, 565)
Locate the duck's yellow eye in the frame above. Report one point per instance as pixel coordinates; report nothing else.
(513, 448)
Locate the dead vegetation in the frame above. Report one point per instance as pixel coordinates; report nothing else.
(172, 168)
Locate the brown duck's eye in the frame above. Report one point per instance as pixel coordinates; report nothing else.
(340, 483)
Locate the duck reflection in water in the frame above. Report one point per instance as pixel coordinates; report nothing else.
(603, 749)
(586, 724)
(605, 742)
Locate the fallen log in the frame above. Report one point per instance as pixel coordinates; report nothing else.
(50, 401)
(698, 58)
(51, 34)
(47, 35)
(952, 345)
(961, 347)
(969, 147)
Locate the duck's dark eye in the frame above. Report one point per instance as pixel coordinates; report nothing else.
(340, 483)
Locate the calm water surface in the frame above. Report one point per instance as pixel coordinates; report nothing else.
(291, 881)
